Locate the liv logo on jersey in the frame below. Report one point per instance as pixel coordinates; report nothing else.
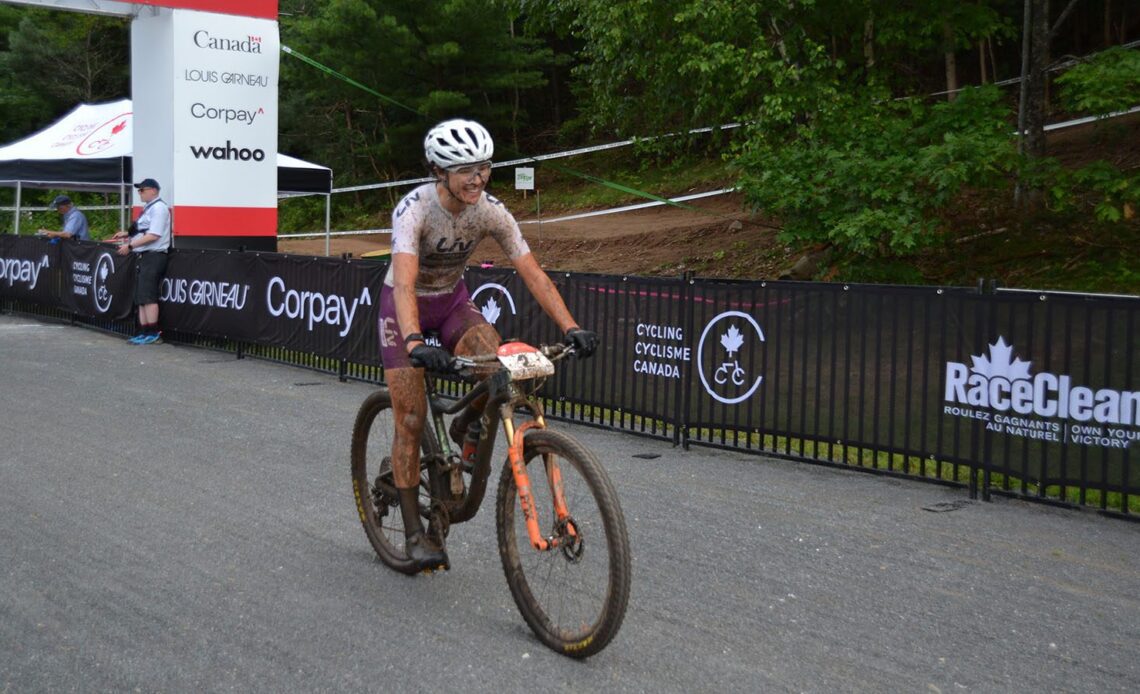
(721, 360)
(497, 298)
(1000, 390)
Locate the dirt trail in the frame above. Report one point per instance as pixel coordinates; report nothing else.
(723, 240)
(655, 240)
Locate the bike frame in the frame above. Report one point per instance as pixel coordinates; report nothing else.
(504, 398)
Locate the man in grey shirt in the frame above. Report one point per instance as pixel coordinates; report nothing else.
(74, 221)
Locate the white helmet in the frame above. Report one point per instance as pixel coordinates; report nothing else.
(458, 142)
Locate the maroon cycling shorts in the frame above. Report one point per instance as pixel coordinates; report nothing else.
(450, 315)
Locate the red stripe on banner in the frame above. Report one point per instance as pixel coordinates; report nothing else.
(247, 8)
(224, 221)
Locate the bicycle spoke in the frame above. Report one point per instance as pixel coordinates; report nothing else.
(371, 461)
(572, 596)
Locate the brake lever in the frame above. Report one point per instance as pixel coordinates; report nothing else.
(559, 350)
(459, 363)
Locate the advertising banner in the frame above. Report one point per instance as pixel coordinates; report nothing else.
(29, 269)
(323, 306)
(210, 294)
(225, 127)
(644, 354)
(1034, 387)
(504, 301)
(96, 281)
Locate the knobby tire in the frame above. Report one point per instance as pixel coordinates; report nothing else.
(575, 607)
(380, 513)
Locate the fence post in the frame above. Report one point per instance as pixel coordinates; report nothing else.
(684, 400)
(986, 289)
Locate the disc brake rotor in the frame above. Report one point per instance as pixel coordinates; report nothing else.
(382, 500)
(571, 543)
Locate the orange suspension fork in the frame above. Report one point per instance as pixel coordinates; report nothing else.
(554, 477)
(522, 481)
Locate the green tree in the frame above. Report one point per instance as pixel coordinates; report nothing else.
(828, 148)
(428, 60)
(872, 175)
(22, 107)
(52, 61)
(72, 57)
(1107, 83)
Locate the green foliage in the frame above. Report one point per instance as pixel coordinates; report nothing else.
(1109, 82)
(429, 60)
(870, 174)
(704, 62)
(829, 149)
(879, 271)
(1100, 188)
(51, 61)
(72, 57)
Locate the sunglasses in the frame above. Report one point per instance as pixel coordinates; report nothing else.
(471, 171)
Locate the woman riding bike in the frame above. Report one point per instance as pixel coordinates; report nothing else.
(435, 229)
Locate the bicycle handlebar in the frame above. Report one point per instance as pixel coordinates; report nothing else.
(461, 365)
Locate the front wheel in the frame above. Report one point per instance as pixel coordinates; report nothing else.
(377, 502)
(573, 596)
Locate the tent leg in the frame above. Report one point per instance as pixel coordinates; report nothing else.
(328, 222)
(19, 190)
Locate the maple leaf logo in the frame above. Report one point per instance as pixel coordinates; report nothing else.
(732, 340)
(999, 364)
(103, 272)
(118, 127)
(491, 311)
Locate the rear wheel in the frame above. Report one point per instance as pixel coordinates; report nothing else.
(373, 486)
(574, 596)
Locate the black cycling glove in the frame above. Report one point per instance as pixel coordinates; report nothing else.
(584, 342)
(431, 358)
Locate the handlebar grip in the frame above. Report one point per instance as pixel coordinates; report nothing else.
(454, 365)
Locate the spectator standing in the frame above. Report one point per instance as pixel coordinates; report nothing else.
(74, 221)
(149, 238)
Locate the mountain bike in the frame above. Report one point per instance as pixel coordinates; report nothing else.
(561, 533)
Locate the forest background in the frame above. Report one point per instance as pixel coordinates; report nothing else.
(873, 140)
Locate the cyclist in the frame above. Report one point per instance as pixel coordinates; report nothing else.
(435, 229)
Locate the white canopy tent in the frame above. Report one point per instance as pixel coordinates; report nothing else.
(90, 149)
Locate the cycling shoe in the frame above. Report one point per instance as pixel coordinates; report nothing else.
(425, 555)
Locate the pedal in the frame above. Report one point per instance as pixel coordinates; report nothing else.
(429, 570)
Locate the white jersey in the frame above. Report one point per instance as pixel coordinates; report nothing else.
(155, 219)
(444, 241)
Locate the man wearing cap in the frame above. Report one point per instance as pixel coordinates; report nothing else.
(149, 238)
(74, 221)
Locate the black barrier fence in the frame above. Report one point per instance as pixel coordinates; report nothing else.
(1029, 394)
